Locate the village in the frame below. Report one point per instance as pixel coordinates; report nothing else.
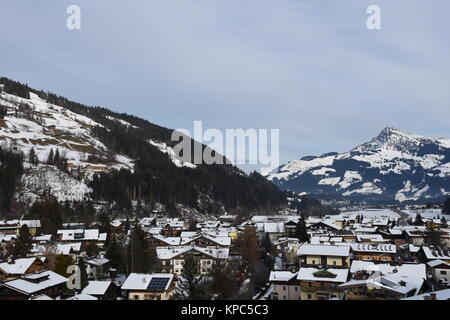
(364, 254)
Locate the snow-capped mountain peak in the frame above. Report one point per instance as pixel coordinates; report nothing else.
(394, 165)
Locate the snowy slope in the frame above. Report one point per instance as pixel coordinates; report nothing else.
(52, 127)
(395, 165)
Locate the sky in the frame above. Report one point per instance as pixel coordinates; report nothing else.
(311, 69)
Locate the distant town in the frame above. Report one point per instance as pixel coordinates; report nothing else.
(358, 254)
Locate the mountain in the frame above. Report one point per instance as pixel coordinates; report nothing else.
(75, 153)
(395, 166)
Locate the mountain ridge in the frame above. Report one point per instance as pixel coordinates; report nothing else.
(119, 158)
(394, 166)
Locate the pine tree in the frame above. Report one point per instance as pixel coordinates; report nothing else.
(32, 158)
(82, 274)
(140, 259)
(300, 231)
(433, 237)
(51, 155)
(418, 221)
(62, 264)
(192, 285)
(23, 243)
(114, 253)
(57, 158)
(247, 245)
(267, 243)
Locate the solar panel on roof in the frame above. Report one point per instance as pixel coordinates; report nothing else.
(158, 284)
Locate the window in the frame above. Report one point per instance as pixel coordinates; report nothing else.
(309, 296)
(135, 297)
(296, 288)
(284, 288)
(334, 262)
(443, 272)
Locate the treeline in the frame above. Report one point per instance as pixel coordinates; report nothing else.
(11, 168)
(155, 177)
(53, 214)
(309, 206)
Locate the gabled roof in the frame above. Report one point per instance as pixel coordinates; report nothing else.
(96, 288)
(141, 281)
(82, 296)
(438, 263)
(436, 253)
(17, 267)
(27, 285)
(284, 276)
(323, 250)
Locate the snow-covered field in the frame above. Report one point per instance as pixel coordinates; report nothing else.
(426, 213)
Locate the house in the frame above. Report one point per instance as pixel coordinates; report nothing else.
(324, 226)
(158, 286)
(97, 268)
(172, 259)
(285, 285)
(321, 284)
(81, 235)
(12, 227)
(374, 252)
(440, 271)
(370, 238)
(383, 287)
(102, 290)
(324, 255)
(361, 270)
(45, 282)
(13, 269)
(275, 230)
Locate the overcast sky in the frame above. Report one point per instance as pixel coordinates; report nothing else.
(309, 68)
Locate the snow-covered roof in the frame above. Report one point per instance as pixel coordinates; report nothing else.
(41, 297)
(81, 235)
(50, 279)
(171, 241)
(435, 263)
(96, 288)
(44, 238)
(140, 281)
(370, 237)
(374, 248)
(408, 270)
(323, 250)
(30, 223)
(392, 282)
(98, 261)
(82, 296)
(282, 275)
(170, 253)
(17, 267)
(65, 248)
(434, 253)
(328, 275)
(440, 295)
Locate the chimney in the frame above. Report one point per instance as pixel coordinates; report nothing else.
(10, 260)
